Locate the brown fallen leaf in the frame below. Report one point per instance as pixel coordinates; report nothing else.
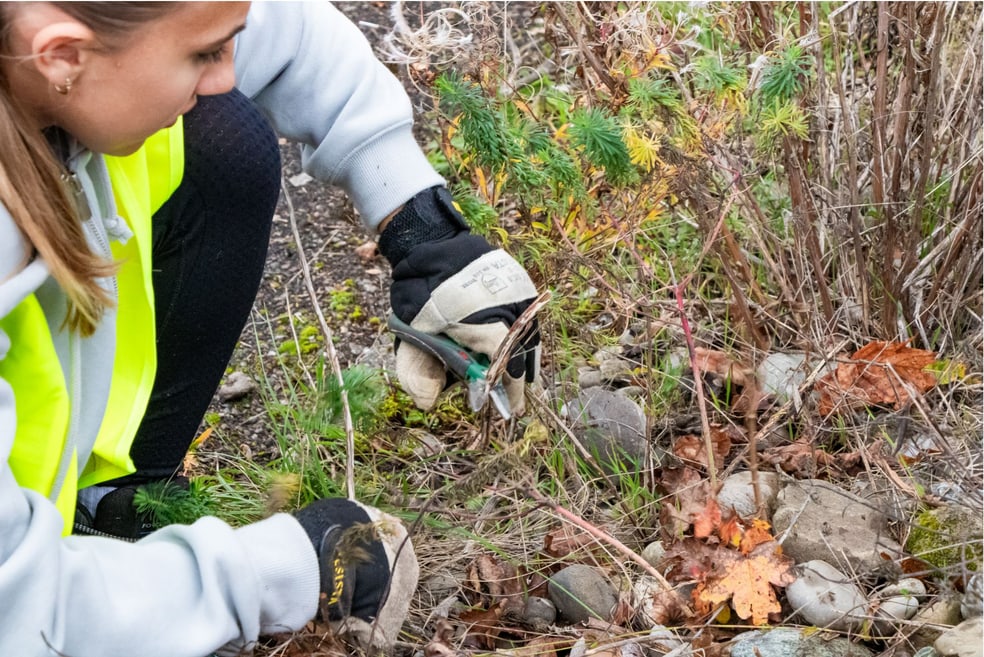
(692, 502)
(721, 364)
(688, 560)
(878, 374)
(443, 641)
(693, 449)
(802, 459)
(665, 608)
(747, 581)
(567, 540)
(491, 580)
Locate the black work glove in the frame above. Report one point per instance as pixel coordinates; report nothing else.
(446, 280)
(368, 569)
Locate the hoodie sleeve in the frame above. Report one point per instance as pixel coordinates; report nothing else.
(184, 591)
(313, 74)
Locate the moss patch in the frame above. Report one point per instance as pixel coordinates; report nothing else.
(947, 537)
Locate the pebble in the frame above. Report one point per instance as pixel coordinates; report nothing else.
(826, 597)
(964, 640)
(898, 602)
(581, 592)
(934, 620)
(665, 640)
(788, 641)
(237, 386)
(738, 494)
(653, 553)
(611, 427)
(539, 612)
(971, 604)
(781, 375)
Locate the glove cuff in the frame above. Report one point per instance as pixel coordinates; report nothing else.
(430, 216)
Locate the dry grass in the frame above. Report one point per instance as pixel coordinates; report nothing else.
(868, 227)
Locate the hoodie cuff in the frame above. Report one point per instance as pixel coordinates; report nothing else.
(288, 571)
(381, 175)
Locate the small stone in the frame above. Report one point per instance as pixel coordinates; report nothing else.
(663, 639)
(589, 377)
(738, 494)
(539, 611)
(237, 386)
(825, 597)
(934, 620)
(898, 602)
(580, 592)
(781, 375)
(970, 603)
(964, 640)
(616, 370)
(300, 179)
(611, 427)
(653, 553)
(786, 641)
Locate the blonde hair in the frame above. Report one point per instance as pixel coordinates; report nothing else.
(33, 181)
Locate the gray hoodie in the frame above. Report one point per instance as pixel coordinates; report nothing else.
(186, 591)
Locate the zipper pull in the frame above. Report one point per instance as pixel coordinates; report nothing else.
(77, 196)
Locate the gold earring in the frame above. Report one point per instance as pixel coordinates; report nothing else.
(63, 89)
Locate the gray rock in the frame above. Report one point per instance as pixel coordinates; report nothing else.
(539, 611)
(934, 620)
(653, 552)
(665, 640)
(237, 386)
(611, 427)
(737, 492)
(826, 597)
(964, 640)
(816, 520)
(791, 642)
(636, 393)
(589, 377)
(616, 370)
(971, 604)
(781, 375)
(440, 585)
(581, 592)
(901, 601)
(897, 602)
(926, 651)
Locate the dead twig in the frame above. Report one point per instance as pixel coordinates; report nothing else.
(601, 535)
(336, 367)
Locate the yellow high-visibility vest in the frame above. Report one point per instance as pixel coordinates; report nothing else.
(142, 182)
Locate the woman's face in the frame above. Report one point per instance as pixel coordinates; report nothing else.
(121, 96)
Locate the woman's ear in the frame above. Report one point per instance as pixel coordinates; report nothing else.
(60, 51)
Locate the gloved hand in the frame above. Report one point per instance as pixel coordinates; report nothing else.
(446, 280)
(368, 570)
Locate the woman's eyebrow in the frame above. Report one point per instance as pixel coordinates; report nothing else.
(219, 42)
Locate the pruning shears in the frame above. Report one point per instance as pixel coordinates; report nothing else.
(465, 365)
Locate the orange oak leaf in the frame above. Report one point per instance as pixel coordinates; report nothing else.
(748, 581)
(880, 373)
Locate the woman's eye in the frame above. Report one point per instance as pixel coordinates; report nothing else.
(212, 56)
